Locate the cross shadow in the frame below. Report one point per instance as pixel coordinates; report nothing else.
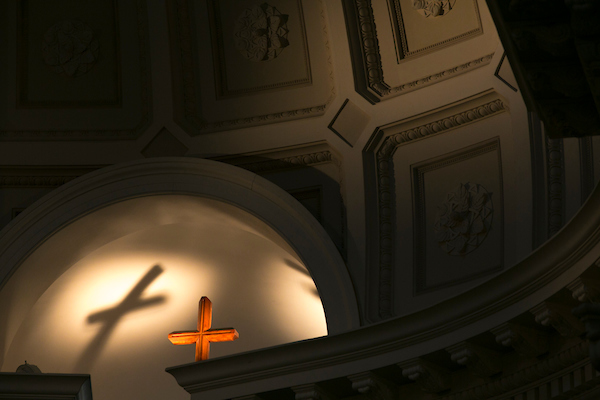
(111, 316)
(295, 266)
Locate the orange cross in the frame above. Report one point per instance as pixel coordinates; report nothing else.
(204, 335)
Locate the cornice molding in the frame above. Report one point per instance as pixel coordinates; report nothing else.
(279, 164)
(45, 386)
(575, 357)
(555, 264)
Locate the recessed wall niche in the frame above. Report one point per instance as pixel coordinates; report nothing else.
(68, 54)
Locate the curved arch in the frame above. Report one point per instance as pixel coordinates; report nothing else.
(292, 225)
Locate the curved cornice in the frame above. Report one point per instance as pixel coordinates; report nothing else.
(550, 268)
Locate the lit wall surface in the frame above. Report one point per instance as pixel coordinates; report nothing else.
(116, 282)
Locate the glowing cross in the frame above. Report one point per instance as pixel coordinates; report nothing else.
(204, 335)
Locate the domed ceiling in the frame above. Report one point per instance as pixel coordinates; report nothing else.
(397, 123)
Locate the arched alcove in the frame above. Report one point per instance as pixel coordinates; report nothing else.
(96, 274)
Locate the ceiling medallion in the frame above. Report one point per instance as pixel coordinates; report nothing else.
(464, 219)
(69, 48)
(261, 33)
(433, 8)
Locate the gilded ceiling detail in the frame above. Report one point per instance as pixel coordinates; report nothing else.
(69, 47)
(464, 219)
(261, 33)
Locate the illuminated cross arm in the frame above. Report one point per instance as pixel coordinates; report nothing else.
(204, 335)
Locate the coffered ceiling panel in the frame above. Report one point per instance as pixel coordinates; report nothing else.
(402, 45)
(72, 64)
(245, 63)
(458, 217)
(444, 201)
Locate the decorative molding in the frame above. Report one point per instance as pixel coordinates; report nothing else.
(558, 316)
(280, 164)
(472, 115)
(45, 386)
(480, 361)
(373, 387)
(528, 378)
(585, 290)
(386, 186)
(430, 377)
(427, 8)
(311, 391)
(555, 169)
(191, 102)
(106, 134)
(527, 342)
(371, 84)
(589, 315)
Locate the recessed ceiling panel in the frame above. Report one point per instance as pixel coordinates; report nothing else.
(422, 26)
(245, 63)
(258, 46)
(81, 70)
(398, 46)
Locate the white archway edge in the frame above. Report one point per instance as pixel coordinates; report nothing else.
(295, 227)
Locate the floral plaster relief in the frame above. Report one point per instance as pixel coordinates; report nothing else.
(261, 33)
(69, 48)
(464, 219)
(433, 8)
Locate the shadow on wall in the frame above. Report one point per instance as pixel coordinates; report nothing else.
(111, 317)
(297, 267)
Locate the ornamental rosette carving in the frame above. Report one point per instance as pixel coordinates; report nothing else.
(261, 33)
(433, 8)
(69, 48)
(464, 219)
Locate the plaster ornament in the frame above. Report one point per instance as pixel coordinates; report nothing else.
(69, 48)
(204, 335)
(433, 8)
(464, 219)
(261, 33)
